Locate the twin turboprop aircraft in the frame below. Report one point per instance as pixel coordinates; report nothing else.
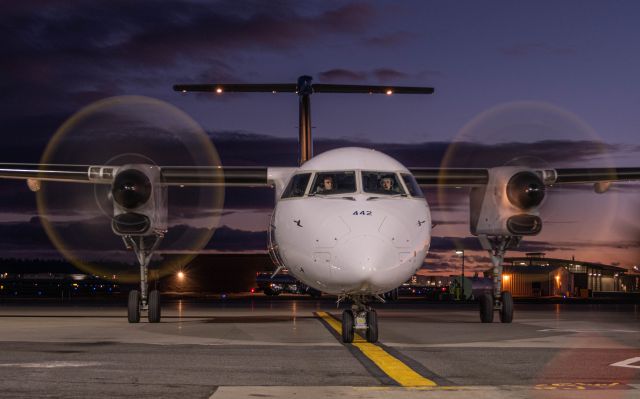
(351, 221)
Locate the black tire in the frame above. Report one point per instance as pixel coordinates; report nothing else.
(506, 313)
(372, 326)
(347, 326)
(154, 307)
(133, 313)
(486, 308)
(271, 292)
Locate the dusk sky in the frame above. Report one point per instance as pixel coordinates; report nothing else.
(550, 83)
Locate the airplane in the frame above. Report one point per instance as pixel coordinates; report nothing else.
(352, 222)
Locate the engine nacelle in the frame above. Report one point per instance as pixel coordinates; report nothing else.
(139, 201)
(509, 203)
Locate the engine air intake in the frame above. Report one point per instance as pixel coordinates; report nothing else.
(525, 190)
(131, 188)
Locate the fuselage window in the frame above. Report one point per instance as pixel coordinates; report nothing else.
(412, 185)
(329, 183)
(385, 183)
(297, 186)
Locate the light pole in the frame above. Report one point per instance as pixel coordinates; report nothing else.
(460, 252)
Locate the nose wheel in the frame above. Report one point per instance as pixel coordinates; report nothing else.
(359, 318)
(347, 326)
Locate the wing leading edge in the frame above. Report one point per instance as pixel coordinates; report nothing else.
(171, 175)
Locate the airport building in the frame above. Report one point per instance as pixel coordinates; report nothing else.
(536, 275)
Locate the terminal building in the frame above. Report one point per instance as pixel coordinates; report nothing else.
(536, 275)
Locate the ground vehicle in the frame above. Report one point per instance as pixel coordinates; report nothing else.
(283, 283)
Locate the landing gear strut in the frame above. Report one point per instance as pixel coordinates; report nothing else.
(360, 317)
(499, 300)
(142, 300)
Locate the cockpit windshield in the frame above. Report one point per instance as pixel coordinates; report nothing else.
(412, 185)
(385, 183)
(329, 183)
(297, 186)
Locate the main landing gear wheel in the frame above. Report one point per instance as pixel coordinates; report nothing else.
(347, 326)
(372, 326)
(154, 307)
(506, 312)
(133, 313)
(486, 308)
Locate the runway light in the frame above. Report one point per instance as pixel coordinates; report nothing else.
(219, 90)
(181, 275)
(253, 290)
(389, 92)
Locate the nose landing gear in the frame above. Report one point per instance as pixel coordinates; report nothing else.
(360, 317)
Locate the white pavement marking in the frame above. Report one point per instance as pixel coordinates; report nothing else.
(628, 363)
(50, 365)
(583, 331)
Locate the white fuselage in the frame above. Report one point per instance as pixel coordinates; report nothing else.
(357, 242)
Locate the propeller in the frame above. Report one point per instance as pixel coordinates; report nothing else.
(128, 133)
(540, 136)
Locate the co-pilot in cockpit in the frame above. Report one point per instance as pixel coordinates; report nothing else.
(385, 183)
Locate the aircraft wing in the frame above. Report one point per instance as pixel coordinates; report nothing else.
(171, 175)
(259, 176)
(469, 177)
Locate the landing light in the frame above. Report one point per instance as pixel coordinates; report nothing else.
(219, 90)
(389, 92)
(181, 275)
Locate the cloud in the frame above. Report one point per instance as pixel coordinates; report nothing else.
(339, 74)
(57, 57)
(382, 75)
(389, 74)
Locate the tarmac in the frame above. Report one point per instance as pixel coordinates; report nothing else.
(255, 346)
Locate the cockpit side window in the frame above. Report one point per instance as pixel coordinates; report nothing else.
(412, 185)
(297, 186)
(329, 183)
(385, 183)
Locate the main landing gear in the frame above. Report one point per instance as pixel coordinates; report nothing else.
(360, 317)
(498, 300)
(140, 301)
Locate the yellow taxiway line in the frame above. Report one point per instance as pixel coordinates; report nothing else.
(390, 365)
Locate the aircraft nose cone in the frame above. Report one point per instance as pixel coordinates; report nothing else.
(361, 262)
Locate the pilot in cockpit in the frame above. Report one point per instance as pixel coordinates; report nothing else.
(327, 185)
(386, 183)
